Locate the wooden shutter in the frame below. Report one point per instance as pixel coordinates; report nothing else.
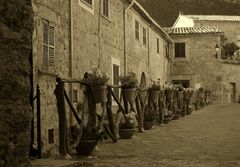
(51, 46)
(116, 79)
(136, 29)
(105, 8)
(45, 43)
(144, 36)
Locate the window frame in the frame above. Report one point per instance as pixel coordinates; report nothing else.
(158, 47)
(49, 60)
(117, 63)
(179, 50)
(137, 30)
(88, 3)
(144, 36)
(108, 8)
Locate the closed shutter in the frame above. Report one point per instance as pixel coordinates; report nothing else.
(48, 45)
(116, 79)
(45, 43)
(51, 46)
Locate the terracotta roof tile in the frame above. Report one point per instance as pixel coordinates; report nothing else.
(213, 17)
(191, 30)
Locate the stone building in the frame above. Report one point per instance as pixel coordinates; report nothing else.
(197, 64)
(228, 24)
(72, 36)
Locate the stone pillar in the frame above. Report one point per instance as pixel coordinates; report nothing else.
(16, 24)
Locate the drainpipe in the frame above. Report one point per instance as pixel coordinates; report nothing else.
(71, 57)
(99, 33)
(125, 39)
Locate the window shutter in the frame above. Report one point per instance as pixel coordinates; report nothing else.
(51, 46)
(45, 43)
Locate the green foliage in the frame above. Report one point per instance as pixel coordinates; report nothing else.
(129, 80)
(166, 11)
(229, 49)
(95, 77)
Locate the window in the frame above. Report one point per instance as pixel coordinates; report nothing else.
(115, 79)
(89, 2)
(136, 29)
(105, 8)
(115, 76)
(167, 50)
(184, 83)
(157, 45)
(75, 95)
(50, 136)
(48, 44)
(180, 49)
(144, 36)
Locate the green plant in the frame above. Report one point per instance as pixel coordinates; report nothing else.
(128, 122)
(149, 116)
(230, 49)
(155, 86)
(129, 80)
(95, 77)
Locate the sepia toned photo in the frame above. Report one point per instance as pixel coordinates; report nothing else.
(120, 83)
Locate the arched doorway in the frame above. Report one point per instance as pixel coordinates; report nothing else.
(143, 82)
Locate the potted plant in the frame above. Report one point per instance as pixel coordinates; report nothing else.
(127, 126)
(149, 118)
(129, 83)
(155, 90)
(97, 80)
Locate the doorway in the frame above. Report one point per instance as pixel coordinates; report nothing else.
(233, 93)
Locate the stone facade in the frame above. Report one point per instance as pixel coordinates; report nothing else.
(203, 69)
(84, 38)
(16, 25)
(57, 14)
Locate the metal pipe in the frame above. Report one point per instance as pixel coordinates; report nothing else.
(125, 42)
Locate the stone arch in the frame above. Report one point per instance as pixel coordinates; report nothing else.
(143, 81)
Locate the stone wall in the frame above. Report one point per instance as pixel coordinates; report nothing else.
(57, 13)
(97, 41)
(16, 24)
(230, 28)
(202, 67)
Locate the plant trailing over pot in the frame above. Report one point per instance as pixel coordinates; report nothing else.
(97, 80)
(129, 80)
(129, 83)
(127, 126)
(155, 90)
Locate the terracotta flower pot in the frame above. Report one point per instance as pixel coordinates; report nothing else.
(129, 94)
(148, 125)
(126, 133)
(86, 147)
(99, 93)
(154, 95)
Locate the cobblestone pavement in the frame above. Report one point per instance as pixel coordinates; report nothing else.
(207, 138)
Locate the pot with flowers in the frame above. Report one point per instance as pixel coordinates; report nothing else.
(97, 80)
(129, 83)
(127, 126)
(155, 90)
(149, 118)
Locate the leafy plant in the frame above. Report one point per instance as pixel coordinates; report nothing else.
(155, 86)
(129, 122)
(230, 49)
(129, 80)
(95, 77)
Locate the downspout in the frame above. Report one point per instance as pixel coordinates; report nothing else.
(71, 58)
(99, 33)
(148, 47)
(125, 39)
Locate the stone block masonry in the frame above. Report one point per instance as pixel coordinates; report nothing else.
(16, 25)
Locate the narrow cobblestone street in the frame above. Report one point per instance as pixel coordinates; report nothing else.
(207, 138)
